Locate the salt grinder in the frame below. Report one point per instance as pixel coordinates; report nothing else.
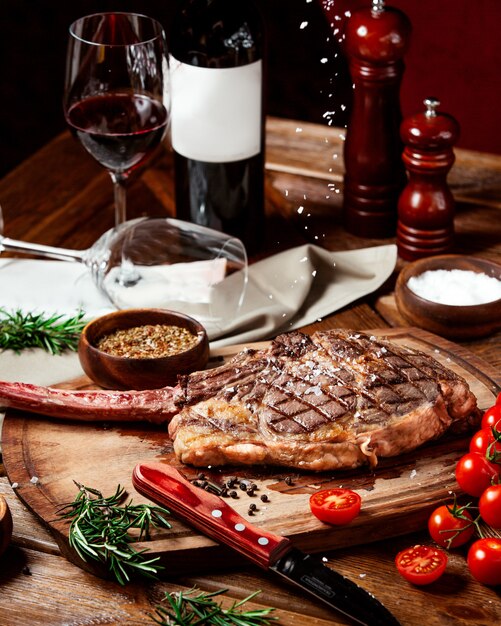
(376, 41)
(426, 206)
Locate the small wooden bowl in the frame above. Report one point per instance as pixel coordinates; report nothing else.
(451, 321)
(5, 525)
(118, 372)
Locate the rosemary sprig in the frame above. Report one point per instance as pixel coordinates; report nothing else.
(190, 608)
(99, 530)
(53, 333)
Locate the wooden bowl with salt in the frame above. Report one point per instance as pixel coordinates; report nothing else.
(468, 317)
(142, 348)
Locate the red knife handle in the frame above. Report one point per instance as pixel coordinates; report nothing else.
(208, 512)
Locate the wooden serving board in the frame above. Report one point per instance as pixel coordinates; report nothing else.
(43, 457)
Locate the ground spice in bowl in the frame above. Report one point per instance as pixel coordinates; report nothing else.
(148, 341)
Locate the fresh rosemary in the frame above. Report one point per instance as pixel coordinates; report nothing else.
(99, 530)
(190, 608)
(54, 333)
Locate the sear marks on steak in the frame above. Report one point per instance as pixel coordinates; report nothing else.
(335, 400)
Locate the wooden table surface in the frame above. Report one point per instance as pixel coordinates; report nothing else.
(59, 196)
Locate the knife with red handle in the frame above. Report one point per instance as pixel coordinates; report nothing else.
(215, 518)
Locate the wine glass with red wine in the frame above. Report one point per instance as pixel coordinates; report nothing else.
(116, 92)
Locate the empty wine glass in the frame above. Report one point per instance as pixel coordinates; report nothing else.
(182, 266)
(116, 92)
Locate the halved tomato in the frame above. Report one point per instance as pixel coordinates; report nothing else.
(421, 565)
(335, 506)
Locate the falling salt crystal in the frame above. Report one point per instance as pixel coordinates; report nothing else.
(362, 575)
(34, 480)
(325, 559)
(314, 273)
(300, 209)
(304, 259)
(343, 107)
(413, 474)
(334, 156)
(303, 25)
(299, 129)
(323, 60)
(15, 485)
(286, 192)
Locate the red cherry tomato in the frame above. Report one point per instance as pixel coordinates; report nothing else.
(498, 401)
(492, 417)
(335, 506)
(450, 526)
(484, 560)
(489, 506)
(421, 565)
(482, 440)
(475, 473)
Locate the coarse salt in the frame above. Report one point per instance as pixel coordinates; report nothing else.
(456, 287)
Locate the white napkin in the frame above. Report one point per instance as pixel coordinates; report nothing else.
(285, 291)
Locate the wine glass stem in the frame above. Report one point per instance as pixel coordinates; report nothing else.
(120, 197)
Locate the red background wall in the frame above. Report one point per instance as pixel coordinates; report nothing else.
(455, 56)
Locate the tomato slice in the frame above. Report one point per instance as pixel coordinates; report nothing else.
(421, 565)
(335, 506)
(484, 560)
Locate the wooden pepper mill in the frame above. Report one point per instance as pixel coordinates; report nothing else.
(426, 206)
(376, 40)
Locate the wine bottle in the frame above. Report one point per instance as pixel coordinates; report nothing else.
(217, 116)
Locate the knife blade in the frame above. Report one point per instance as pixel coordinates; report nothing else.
(215, 518)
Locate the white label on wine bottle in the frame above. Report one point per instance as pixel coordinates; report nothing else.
(216, 113)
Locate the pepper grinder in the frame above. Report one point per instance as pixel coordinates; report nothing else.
(376, 41)
(426, 206)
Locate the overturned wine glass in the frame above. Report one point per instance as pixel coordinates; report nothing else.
(172, 264)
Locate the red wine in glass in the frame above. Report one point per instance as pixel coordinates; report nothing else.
(118, 129)
(116, 87)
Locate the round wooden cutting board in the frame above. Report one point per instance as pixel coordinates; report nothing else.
(44, 458)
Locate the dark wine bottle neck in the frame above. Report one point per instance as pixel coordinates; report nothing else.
(217, 34)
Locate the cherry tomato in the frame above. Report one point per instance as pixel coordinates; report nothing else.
(481, 441)
(448, 529)
(498, 401)
(492, 417)
(421, 565)
(475, 473)
(489, 506)
(335, 506)
(484, 560)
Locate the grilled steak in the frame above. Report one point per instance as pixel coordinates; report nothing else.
(334, 400)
